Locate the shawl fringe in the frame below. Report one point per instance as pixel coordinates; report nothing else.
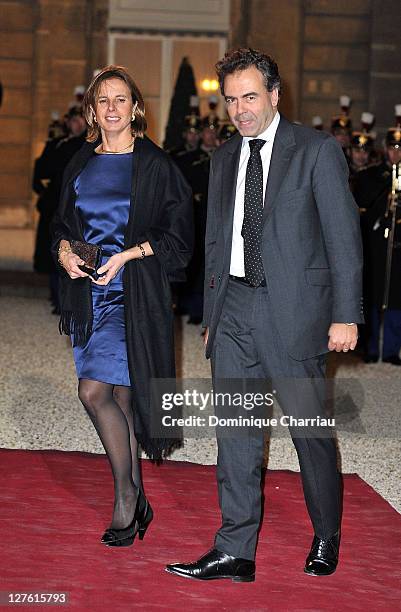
(71, 324)
(158, 449)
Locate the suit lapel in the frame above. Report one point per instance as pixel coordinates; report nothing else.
(283, 150)
(230, 173)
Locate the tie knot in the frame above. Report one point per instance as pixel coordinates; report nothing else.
(255, 145)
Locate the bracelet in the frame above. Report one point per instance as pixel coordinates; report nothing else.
(63, 249)
(143, 254)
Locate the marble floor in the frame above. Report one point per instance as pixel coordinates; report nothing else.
(39, 406)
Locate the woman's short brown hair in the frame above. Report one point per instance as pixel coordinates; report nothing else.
(138, 126)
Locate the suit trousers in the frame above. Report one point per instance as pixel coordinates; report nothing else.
(247, 345)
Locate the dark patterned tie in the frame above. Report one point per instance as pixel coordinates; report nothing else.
(253, 213)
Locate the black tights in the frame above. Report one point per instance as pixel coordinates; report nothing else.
(109, 408)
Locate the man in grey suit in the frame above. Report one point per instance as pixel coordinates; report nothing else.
(283, 287)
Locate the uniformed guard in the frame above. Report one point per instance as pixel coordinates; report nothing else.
(43, 168)
(79, 93)
(191, 137)
(196, 166)
(43, 172)
(341, 126)
(372, 191)
(57, 129)
(68, 146)
(210, 129)
(212, 115)
(361, 148)
(226, 131)
(47, 179)
(192, 128)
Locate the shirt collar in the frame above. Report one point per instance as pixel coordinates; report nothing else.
(269, 132)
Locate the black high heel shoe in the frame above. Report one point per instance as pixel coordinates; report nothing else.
(143, 515)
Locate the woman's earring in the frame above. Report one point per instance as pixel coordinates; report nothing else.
(133, 117)
(94, 118)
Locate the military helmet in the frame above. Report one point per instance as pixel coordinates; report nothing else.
(192, 123)
(74, 111)
(367, 121)
(213, 102)
(317, 122)
(227, 130)
(361, 140)
(393, 137)
(210, 121)
(341, 122)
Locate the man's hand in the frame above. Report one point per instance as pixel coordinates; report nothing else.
(205, 336)
(342, 337)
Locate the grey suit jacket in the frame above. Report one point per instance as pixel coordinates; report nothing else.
(311, 242)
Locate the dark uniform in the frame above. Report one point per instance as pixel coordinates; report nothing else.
(199, 181)
(362, 146)
(47, 180)
(184, 155)
(371, 191)
(195, 166)
(43, 173)
(198, 176)
(341, 127)
(191, 137)
(226, 131)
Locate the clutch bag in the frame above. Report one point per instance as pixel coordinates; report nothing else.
(91, 254)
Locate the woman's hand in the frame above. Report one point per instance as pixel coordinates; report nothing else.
(70, 263)
(111, 268)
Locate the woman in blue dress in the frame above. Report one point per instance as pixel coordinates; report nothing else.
(121, 192)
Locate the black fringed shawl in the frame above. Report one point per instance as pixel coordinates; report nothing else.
(160, 212)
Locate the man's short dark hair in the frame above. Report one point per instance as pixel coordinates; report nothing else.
(241, 59)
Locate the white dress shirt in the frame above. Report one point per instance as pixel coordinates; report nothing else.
(237, 267)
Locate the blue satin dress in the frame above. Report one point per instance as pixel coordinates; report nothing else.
(103, 191)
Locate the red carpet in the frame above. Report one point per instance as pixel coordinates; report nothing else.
(55, 505)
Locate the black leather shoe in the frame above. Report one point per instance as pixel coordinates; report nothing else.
(393, 359)
(323, 557)
(214, 565)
